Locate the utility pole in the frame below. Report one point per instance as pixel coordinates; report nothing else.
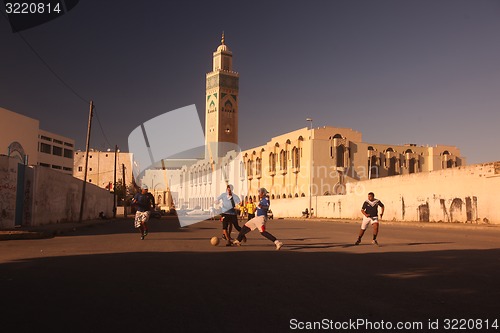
(125, 187)
(114, 185)
(89, 127)
(311, 165)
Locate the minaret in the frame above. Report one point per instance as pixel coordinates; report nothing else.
(221, 111)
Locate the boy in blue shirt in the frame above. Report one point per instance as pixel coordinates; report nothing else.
(229, 216)
(259, 221)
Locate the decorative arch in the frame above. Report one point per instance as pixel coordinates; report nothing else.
(15, 149)
(228, 106)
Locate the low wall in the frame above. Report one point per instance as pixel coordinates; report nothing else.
(48, 196)
(57, 198)
(463, 194)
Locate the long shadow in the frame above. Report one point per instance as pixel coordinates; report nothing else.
(245, 291)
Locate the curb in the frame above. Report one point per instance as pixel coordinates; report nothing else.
(56, 230)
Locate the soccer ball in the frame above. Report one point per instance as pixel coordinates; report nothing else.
(214, 241)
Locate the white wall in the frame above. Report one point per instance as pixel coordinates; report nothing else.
(453, 195)
(57, 198)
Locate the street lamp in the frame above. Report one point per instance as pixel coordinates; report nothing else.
(310, 165)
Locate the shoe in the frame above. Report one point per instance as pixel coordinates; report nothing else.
(142, 237)
(237, 243)
(244, 239)
(229, 243)
(374, 242)
(145, 233)
(357, 242)
(278, 245)
(224, 237)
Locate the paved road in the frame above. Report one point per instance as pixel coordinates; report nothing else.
(105, 278)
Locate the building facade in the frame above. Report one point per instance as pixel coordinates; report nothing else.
(101, 167)
(23, 138)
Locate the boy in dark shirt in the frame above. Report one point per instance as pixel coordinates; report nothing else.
(145, 202)
(370, 212)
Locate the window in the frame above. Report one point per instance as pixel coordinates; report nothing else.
(295, 158)
(80, 169)
(272, 162)
(90, 180)
(90, 156)
(45, 165)
(45, 148)
(242, 169)
(68, 153)
(90, 169)
(56, 167)
(249, 168)
(340, 156)
(283, 160)
(68, 144)
(57, 151)
(58, 141)
(68, 169)
(46, 138)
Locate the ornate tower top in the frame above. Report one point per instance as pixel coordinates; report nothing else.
(223, 47)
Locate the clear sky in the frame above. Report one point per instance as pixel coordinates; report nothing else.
(424, 72)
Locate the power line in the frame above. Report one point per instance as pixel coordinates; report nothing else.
(61, 80)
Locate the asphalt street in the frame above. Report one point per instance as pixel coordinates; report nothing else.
(105, 279)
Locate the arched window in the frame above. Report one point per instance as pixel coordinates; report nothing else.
(258, 166)
(283, 164)
(374, 167)
(228, 107)
(295, 158)
(242, 169)
(249, 168)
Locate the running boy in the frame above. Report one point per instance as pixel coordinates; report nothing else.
(370, 212)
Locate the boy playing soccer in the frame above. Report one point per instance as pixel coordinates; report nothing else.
(259, 221)
(370, 212)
